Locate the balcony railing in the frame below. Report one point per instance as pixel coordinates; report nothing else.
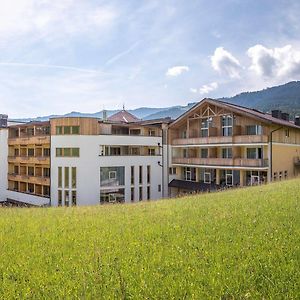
(236, 139)
(30, 159)
(29, 178)
(230, 162)
(30, 139)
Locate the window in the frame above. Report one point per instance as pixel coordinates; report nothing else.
(183, 134)
(112, 196)
(148, 192)
(112, 176)
(67, 177)
(189, 174)
(67, 129)
(59, 152)
(16, 152)
(59, 198)
(46, 190)
(67, 200)
(75, 129)
(205, 124)
(74, 198)
(140, 193)
(204, 153)
(159, 188)
(46, 152)
(75, 152)
(135, 151)
(207, 176)
(229, 177)
(172, 171)
(132, 194)
(132, 175)
(227, 125)
(30, 188)
(285, 174)
(185, 153)
(59, 176)
(148, 174)
(151, 151)
(46, 172)
(275, 176)
(30, 152)
(287, 133)
(151, 132)
(59, 130)
(67, 152)
(115, 151)
(140, 174)
(74, 171)
(30, 171)
(16, 169)
(253, 130)
(254, 153)
(226, 152)
(280, 175)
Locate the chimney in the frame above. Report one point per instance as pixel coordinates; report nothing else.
(285, 116)
(276, 114)
(3, 121)
(297, 120)
(104, 115)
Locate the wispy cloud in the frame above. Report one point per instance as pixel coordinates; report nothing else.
(177, 70)
(206, 88)
(121, 54)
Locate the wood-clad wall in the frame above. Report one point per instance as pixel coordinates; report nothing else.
(88, 126)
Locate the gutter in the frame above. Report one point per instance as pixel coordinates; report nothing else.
(271, 151)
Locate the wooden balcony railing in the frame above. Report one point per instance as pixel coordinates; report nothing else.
(236, 139)
(36, 139)
(229, 162)
(30, 179)
(45, 160)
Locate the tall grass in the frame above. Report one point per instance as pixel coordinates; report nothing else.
(238, 244)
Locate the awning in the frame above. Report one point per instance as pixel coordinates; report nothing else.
(193, 186)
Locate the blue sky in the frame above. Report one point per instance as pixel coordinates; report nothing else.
(58, 56)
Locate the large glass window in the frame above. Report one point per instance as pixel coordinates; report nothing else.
(253, 130)
(226, 152)
(112, 176)
(59, 176)
(227, 125)
(205, 123)
(74, 177)
(67, 177)
(112, 196)
(254, 153)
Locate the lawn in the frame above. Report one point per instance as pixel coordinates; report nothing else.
(238, 244)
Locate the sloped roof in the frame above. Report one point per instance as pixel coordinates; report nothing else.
(251, 112)
(124, 117)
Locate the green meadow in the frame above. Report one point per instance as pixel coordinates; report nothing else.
(237, 244)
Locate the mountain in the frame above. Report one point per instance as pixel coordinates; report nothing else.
(285, 97)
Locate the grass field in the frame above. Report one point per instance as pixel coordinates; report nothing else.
(239, 244)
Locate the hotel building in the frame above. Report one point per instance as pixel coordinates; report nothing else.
(70, 161)
(217, 144)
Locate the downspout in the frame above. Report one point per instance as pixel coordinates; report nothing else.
(271, 151)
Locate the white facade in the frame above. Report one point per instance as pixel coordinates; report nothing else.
(90, 161)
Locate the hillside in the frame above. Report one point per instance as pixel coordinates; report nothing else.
(239, 244)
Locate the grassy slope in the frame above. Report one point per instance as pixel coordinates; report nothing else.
(236, 244)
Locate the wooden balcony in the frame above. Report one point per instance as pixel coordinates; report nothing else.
(29, 140)
(226, 162)
(236, 139)
(43, 160)
(30, 179)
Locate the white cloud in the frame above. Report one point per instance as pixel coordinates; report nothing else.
(177, 70)
(277, 62)
(225, 63)
(206, 88)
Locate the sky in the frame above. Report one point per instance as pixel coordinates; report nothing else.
(58, 56)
